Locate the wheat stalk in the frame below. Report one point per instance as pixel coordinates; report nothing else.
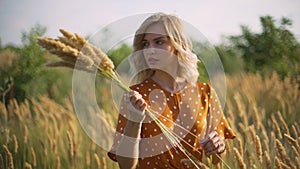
(104, 166)
(58, 163)
(53, 121)
(88, 159)
(240, 147)
(3, 111)
(277, 128)
(285, 126)
(50, 141)
(268, 161)
(74, 48)
(7, 137)
(15, 141)
(97, 161)
(277, 163)
(228, 146)
(284, 166)
(295, 131)
(54, 148)
(203, 166)
(26, 109)
(71, 146)
(44, 147)
(298, 162)
(28, 166)
(239, 159)
(258, 149)
(9, 157)
(292, 141)
(266, 140)
(33, 155)
(249, 158)
(256, 114)
(252, 132)
(25, 134)
(296, 153)
(282, 153)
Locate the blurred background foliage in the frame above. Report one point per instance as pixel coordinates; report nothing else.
(274, 48)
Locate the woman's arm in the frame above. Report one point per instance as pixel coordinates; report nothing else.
(128, 150)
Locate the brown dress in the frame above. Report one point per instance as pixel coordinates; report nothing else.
(189, 114)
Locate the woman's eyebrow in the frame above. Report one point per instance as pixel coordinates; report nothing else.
(161, 37)
(157, 38)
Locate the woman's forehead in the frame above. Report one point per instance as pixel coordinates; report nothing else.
(156, 29)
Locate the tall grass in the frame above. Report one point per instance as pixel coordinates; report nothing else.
(48, 136)
(264, 113)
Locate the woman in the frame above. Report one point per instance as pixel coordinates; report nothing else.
(166, 74)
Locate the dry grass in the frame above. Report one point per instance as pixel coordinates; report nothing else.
(50, 137)
(7, 57)
(271, 120)
(44, 134)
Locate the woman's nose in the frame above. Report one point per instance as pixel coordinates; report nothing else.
(150, 50)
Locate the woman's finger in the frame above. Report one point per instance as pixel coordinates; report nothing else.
(220, 149)
(208, 138)
(213, 144)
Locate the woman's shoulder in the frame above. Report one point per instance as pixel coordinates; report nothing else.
(204, 87)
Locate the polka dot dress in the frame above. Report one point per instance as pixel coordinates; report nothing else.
(187, 113)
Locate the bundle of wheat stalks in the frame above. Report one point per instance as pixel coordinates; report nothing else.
(77, 53)
(72, 49)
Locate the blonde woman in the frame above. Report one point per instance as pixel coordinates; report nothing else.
(165, 70)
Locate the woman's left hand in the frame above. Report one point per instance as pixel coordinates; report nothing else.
(213, 144)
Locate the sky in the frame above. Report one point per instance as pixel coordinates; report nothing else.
(215, 19)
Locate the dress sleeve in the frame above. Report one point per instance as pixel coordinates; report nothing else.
(216, 117)
(121, 123)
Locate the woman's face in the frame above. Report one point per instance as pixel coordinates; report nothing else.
(157, 48)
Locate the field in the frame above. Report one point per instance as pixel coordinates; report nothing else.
(264, 112)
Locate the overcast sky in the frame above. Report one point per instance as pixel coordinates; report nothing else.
(213, 18)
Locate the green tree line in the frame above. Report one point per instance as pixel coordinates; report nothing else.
(275, 48)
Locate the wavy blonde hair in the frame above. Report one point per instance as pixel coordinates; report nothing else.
(187, 60)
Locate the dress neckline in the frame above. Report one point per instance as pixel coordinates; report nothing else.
(166, 91)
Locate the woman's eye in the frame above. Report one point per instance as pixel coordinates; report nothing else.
(145, 44)
(159, 42)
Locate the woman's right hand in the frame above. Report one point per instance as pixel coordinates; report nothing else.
(135, 105)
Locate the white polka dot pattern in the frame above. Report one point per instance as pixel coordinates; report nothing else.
(182, 112)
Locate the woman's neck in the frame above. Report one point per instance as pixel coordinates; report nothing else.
(167, 81)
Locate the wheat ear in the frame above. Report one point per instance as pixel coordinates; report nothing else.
(9, 157)
(28, 166)
(239, 158)
(97, 161)
(258, 149)
(268, 161)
